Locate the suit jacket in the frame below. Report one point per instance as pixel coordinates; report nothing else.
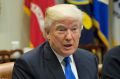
(42, 63)
(111, 64)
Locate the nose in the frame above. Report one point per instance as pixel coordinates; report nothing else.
(68, 35)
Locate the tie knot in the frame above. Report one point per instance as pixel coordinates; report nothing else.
(67, 60)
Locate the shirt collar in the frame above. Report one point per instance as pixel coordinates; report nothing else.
(60, 58)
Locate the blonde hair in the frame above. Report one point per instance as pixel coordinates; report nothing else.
(61, 12)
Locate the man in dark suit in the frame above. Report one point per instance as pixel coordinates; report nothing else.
(111, 64)
(59, 57)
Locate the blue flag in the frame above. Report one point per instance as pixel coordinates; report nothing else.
(100, 19)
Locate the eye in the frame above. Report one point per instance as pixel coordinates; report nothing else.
(61, 29)
(75, 28)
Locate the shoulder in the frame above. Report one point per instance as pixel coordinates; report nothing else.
(85, 53)
(113, 53)
(111, 63)
(86, 60)
(34, 55)
(85, 56)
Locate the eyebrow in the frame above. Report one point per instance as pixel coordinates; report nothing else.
(60, 26)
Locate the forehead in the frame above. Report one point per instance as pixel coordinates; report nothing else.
(67, 21)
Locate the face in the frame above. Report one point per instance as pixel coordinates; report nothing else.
(64, 36)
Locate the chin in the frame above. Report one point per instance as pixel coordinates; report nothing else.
(70, 52)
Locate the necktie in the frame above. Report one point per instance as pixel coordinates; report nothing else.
(68, 72)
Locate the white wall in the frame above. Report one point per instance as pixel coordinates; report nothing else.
(13, 24)
(116, 22)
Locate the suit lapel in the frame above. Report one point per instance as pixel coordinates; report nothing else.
(77, 65)
(81, 67)
(53, 64)
(56, 70)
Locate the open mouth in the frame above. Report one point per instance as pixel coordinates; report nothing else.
(68, 45)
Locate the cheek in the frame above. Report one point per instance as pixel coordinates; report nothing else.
(76, 39)
(55, 38)
(56, 42)
(77, 36)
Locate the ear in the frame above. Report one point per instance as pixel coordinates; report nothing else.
(47, 35)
